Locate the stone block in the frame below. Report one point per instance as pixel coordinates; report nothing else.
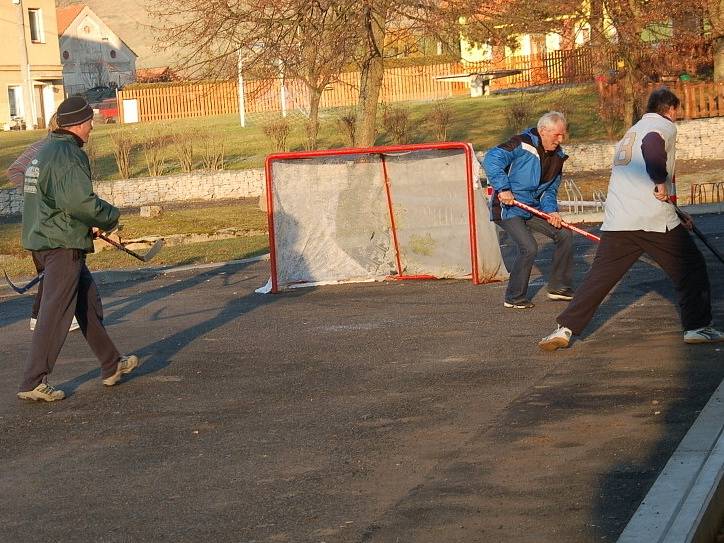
(151, 211)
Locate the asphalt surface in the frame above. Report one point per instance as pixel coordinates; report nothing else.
(391, 412)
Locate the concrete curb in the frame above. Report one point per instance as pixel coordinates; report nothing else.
(686, 502)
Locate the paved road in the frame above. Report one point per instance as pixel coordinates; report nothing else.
(395, 412)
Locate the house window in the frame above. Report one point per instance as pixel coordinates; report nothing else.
(15, 100)
(113, 54)
(37, 34)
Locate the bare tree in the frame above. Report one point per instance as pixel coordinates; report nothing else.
(646, 37)
(302, 39)
(715, 14)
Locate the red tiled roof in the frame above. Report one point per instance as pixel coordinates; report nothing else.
(67, 15)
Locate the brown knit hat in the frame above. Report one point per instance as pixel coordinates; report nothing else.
(72, 111)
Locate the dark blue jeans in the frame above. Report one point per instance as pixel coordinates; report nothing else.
(521, 231)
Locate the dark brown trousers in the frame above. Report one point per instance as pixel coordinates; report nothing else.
(68, 289)
(674, 251)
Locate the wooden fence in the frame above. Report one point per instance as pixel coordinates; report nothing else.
(400, 84)
(698, 100)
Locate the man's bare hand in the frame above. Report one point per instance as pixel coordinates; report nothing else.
(506, 197)
(661, 193)
(555, 219)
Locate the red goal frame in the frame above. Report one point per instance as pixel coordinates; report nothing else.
(377, 150)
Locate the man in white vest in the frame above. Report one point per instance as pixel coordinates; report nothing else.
(639, 219)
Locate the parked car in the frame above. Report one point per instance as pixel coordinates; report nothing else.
(107, 110)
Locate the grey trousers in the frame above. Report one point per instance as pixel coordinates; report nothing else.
(521, 231)
(68, 289)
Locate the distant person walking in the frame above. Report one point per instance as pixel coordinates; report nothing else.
(16, 174)
(639, 219)
(528, 168)
(59, 214)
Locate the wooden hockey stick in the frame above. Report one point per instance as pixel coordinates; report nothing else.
(25, 288)
(564, 224)
(699, 233)
(155, 248)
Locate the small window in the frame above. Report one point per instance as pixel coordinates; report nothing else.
(15, 99)
(113, 54)
(37, 33)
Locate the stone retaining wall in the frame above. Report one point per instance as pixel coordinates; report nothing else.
(697, 139)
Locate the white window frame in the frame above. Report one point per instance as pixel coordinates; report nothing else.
(35, 22)
(17, 91)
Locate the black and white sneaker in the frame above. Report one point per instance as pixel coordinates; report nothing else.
(706, 334)
(564, 294)
(524, 304)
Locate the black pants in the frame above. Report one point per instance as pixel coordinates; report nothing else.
(69, 289)
(521, 231)
(674, 251)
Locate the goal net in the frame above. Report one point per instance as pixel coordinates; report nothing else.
(397, 212)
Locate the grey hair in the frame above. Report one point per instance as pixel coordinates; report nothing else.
(550, 119)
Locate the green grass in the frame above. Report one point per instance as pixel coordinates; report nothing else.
(243, 215)
(480, 121)
(195, 253)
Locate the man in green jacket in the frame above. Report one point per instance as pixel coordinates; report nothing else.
(60, 212)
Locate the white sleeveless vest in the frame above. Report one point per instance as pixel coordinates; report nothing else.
(630, 204)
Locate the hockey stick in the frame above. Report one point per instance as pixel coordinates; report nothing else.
(699, 233)
(564, 224)
(24, 289)
(155, 248)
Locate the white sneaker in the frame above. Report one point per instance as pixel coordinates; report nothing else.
(74, 325)
(706, 334)
(125, 365)
(43, 392)
(33, 322)
(559, 339)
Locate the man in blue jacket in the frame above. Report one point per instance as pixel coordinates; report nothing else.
(527, 168)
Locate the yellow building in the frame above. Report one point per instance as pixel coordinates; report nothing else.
(31, 76)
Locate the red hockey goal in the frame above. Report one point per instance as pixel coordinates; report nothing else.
(393, 212)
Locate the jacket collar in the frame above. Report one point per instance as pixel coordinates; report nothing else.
(65, 133)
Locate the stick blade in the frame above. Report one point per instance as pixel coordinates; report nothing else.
(153, 251)
(22, 290)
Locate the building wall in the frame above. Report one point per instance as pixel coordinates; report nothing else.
(43, 58)
(697, 139)
(92, 54)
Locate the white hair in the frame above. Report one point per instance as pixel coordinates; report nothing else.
(551, 119)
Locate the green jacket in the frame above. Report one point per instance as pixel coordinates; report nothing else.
(60, 206)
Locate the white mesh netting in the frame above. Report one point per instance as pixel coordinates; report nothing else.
(332, 220)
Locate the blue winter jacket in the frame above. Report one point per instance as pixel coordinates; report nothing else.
(516, 165)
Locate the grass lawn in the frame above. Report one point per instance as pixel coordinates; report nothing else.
(481, 121)
(244, 215)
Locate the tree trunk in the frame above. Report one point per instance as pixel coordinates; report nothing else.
(315, 95)
(629, 98)
(719, 59)
(598, 40)
(371, 76)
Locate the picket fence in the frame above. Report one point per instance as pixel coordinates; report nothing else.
(698, 100)
(427, 82)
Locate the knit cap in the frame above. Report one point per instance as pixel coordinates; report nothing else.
(72, 111)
